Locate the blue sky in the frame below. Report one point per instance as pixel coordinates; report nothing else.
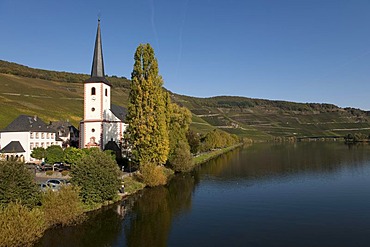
(303, 51)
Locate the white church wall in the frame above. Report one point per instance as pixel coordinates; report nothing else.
(105, 97)
(111, 132)
(92, 129)
(92, 103)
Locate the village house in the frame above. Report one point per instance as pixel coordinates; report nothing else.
(24, 134)
(67, 133)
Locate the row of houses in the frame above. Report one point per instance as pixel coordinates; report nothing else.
(25, 133)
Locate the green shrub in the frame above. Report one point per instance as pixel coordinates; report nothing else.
(182, 160)
(54, 154)
(65, 173)
(153, 175)
(97, 174)
(17, 184)
(20, 226)
(49, 173)
(63, 207)
(132, 185)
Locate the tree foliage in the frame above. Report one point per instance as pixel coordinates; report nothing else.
(54, 154)
(71, 155)
(180, 120)
(63, 207)
(20, 226)
(146, 117)
(218, 139)
(194, 141)
(182, 160)
(38, 153)
(97, 176)
(153, 175)
(17, 184)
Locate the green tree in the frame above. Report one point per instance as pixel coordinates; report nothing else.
(180, 119)
(194, 141)
(63, 207)
(97, 176)
(181, 160)
(38, 153)
(17, 184)
(147, 128)
(71, 155)
(54, 154)
(20, 226)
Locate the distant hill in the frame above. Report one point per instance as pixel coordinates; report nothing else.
(266, 119)
(59, 96)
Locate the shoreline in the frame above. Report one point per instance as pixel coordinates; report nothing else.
(133, 186)
(198, 160)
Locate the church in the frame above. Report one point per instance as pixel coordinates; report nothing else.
(103, 122)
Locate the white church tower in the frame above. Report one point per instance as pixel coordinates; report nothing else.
(102, 121)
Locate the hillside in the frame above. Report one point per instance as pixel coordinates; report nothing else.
(266, 119)
(59, 96)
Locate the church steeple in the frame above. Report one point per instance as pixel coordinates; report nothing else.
(97, 69)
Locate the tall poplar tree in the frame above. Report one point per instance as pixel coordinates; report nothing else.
(147, 129)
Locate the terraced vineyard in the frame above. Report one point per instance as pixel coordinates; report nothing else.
(264, 120)
(61, 98)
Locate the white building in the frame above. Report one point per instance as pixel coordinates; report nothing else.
(102, 122)
(22, 135)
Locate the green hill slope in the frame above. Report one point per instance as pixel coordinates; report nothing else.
(266, 119)
(59, 96)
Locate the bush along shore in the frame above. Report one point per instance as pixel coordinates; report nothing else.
(133, 182)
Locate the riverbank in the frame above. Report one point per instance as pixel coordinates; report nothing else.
(202, 158)
(132, 185)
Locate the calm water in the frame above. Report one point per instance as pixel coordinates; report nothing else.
(305, 194)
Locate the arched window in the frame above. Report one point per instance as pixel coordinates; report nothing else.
(106, 92)
(93, 91)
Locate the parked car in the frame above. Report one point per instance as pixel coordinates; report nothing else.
(44, 187)
(45, 167)
(60, 166)
(57, 182)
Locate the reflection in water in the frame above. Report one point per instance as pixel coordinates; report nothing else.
(144, 218)
(261, 160)
(101, 229)
(324, 194)
(150, 224)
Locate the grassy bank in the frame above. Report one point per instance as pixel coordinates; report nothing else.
(202, 158)
(132, 185)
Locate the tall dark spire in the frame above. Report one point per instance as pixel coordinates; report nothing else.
(97, 69)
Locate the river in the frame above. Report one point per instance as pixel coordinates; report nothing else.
(302, 194)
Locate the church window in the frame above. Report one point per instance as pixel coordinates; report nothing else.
(93, 109)
(93, 91)
(106, 92)
(93, 130)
